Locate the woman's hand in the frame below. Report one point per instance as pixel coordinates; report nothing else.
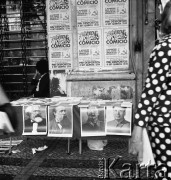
(136, 143)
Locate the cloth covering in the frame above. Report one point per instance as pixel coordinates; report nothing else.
(5, 124)
(97, 145)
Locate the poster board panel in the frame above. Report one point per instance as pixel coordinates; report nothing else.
(58, 15)
(88, 14)
(60, 120)
(60, 50)
(92, 120)
(34, 120)
(118, 120)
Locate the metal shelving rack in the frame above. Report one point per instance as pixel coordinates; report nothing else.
(23, 41)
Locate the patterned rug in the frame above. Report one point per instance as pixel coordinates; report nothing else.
(55, 163)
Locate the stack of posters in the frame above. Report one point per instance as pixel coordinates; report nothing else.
(118, 116)
(55, 117)
(60, 120)
(101, 118)
(34, 112)
(35, 119)
(92, 118)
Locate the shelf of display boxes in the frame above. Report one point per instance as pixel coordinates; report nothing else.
(73, 117)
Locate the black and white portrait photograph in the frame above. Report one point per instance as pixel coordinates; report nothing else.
(118, 120)
(34, 120)
(92, 121)
(85, 82)
(60, 121)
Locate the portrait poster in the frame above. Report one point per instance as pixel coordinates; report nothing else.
(58, 83)
(88, 13)
(34, 120)
(116, 47)
(115, 13)
(90, 48)
(92, 120)
(60, 50)
(118, 120)
(58, 15)
(60, 120)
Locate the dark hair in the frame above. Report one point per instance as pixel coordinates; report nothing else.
(42, 66)
(166, 19)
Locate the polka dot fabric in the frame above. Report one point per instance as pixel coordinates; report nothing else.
(160, 138)
(154, 108)
(156, 96)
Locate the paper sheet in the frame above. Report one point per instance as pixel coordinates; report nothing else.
(148, 158)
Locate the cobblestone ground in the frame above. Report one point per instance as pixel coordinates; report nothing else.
(55, 163)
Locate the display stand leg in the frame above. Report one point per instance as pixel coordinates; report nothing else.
(80, 146)
(68, 150)
(10, 151)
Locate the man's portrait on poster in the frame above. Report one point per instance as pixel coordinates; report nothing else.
(60, 121)
(35, 120)
(118, 120)
(92, 121)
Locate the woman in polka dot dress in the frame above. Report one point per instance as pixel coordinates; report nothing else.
(154, 108)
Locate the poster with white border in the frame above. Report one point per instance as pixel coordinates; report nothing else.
(90, 48)
(116, 47)
(60, 120)
(115, 13)
(34, 119)
(92, 120)
(58, 15)
(118, 120)
(60, 50)
(88, 13)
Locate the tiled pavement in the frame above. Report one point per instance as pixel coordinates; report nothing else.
(55, 163)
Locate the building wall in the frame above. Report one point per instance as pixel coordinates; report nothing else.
(83, 83)
(142, 41)
(148, 34)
